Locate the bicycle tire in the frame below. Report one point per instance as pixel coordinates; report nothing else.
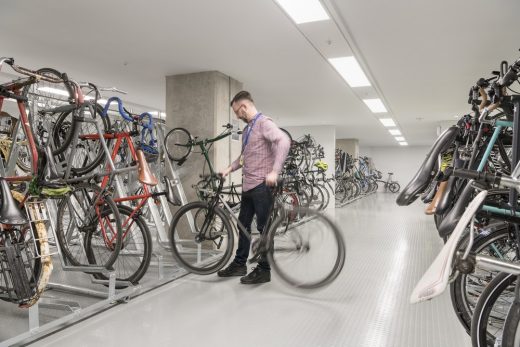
(326, 196)
(290, 247)
(464, 290)
(88, 153)
(177, 144)
(189, 252)
(511, 336)
(394, 187)
(135, 255)
(73, 233)
(483, 317)
(47, 95)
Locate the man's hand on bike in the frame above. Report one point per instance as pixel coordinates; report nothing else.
(271, 179)
(226, 171)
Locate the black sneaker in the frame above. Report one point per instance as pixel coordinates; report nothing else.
(257, 276)
(233, 269)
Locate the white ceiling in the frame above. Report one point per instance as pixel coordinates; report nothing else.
(423, 55)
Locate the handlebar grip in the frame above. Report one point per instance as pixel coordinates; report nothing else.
(121, 110)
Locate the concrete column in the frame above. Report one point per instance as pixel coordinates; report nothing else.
(351, 146)
(199, 102)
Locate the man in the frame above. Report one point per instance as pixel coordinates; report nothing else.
(264, 149)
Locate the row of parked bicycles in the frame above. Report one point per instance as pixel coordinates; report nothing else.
(355, 177)
(469, 182)
(84, 176)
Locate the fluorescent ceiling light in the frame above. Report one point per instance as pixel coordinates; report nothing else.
(394, 132)
(375, 105)
(349, 69)
(403, 143)
(304, 11)
(54, 91)
(400, 138)
(387, 122)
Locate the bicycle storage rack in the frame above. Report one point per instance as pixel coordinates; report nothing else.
(111, 296)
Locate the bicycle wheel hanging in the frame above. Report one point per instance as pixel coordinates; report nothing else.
(307, 255)
(83, 215)
(200, 244)
(177, 144)
(88, 152)
(44, 95)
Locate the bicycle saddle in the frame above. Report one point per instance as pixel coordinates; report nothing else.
(424, 175)
(435, 279)
(10, 213)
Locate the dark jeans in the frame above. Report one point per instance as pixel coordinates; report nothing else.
(255, 201)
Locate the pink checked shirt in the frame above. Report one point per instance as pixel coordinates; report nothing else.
(264, 152)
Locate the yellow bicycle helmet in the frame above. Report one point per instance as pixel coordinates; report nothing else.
(320, 164)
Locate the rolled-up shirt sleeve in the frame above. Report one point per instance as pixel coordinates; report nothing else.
(280, 144)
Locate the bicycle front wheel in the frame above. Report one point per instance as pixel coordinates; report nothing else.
(177, 144)
(308, 254)
(201, 238)
(84, 216)
(134, 257)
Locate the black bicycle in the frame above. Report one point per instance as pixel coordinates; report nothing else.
(309, 253)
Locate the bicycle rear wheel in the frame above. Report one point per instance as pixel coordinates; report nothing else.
(394, 187)
(200, 243)
(308, 254)
(177, 144)
(84, 215)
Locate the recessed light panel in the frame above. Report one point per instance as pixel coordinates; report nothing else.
(400, 139)
(403, 143)
(349, 69)
(387, 122)
(375, 105)
(304, 11)
(394, 132)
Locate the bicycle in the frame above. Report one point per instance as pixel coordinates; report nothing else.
(179, 145)
(307, 254)
(390, 184)
(25, 259)
(135, 254)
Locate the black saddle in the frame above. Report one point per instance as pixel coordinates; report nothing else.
(449, 222)
(424, 176)
(10, 213)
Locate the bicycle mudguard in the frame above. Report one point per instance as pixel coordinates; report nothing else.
(448, 196)
(452, 218)
(435, 279)
(424, 175)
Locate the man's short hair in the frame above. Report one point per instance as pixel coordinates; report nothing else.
(243, 95)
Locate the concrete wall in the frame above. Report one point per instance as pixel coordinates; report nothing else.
(199, 102)
(402, 161)
(351, 146)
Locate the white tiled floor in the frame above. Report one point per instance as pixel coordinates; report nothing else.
(388, 248)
